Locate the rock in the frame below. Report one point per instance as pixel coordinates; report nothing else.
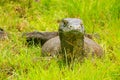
(3, 34)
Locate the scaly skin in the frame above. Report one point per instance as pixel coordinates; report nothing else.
(71, 33)
(72, 42)
(39, 37)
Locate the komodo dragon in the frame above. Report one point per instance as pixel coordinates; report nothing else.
(71, 42)
(70, 39)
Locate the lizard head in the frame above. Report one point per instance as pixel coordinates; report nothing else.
(71, 24)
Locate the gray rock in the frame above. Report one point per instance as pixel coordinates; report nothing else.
(3, 34)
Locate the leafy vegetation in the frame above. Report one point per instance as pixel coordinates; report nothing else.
(17, 61)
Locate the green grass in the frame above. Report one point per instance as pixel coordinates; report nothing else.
(17, 60)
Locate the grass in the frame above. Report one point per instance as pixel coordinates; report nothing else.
(17, 60)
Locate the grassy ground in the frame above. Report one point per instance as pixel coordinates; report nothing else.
(17, 60)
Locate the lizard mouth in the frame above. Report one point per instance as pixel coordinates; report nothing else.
(72, 28)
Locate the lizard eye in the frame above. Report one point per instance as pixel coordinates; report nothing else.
(70, 26)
